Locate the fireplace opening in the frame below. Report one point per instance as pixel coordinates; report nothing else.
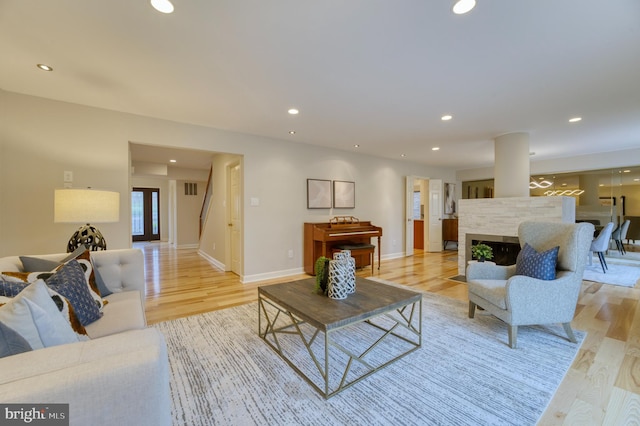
(505, 248)
(503, 253)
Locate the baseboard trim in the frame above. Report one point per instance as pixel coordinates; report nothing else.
(215, 262)
(271, 275)
(187, 246)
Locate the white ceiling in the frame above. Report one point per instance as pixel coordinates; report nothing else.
(184, 158)
(379, 73)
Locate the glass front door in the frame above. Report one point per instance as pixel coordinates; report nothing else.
(145, 214)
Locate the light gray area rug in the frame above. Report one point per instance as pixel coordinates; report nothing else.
(621, 274)
(222, 373)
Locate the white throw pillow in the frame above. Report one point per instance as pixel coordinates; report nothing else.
(17, 315)
(51, 326)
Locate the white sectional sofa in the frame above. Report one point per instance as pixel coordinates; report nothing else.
(118, 377)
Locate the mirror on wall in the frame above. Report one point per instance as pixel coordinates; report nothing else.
(601, 195)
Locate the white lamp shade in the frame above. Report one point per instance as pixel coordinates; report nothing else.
(86, 206)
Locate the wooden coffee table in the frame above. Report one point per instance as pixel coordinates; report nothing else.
(292, 316)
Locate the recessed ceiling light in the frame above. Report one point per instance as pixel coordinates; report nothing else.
(575, 119)
(564, 184)
(435, 148)
(293, 111)
(356, 146)
(173, 161)
(44, 67)
(292, 132)
(163, 6)
(446, 117)
(626, 171)
(636, 180)
(463, 6)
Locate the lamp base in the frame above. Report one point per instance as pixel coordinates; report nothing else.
(88, 236)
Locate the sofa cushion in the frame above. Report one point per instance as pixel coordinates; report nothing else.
(540, 265)
(12, 343)
(493, 291)
(125, 311)
(94, 353)
(70, 282)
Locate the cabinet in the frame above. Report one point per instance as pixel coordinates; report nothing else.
(449, 231)
(418, 234)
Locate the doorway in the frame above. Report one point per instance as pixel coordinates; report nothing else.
(145, 214)
(423, 200)
(234, 215)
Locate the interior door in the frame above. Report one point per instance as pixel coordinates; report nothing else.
(408, 213)
(235, 218)
(145, 214)
(436, 209)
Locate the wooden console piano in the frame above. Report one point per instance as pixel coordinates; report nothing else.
(323, 239)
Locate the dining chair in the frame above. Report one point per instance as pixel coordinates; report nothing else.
(620, 234)
(600, 245)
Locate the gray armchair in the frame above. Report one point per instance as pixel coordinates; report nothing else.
(521, 300)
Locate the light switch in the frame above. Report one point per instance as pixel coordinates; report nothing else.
(68, 176)
(255, 201)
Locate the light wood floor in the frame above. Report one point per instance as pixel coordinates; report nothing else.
(601, 388)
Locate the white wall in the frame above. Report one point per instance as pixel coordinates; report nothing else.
(214, 234)
(40, 139)
(188, 209)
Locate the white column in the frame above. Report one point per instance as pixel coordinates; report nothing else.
(589, 183)
(511, 169)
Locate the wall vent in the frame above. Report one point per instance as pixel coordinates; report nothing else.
(190, 188)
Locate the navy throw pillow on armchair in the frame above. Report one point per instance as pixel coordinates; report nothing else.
(540, 265)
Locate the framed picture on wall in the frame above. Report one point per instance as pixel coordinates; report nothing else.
(449, 198)
(344, 194)
(318, 194)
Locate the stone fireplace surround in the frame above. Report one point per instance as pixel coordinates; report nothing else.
(498, 218)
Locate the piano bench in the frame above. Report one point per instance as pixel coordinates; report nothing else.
(358, 250)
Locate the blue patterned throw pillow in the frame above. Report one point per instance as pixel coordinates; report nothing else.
(11, 288)
(71, 283)
(537, 265)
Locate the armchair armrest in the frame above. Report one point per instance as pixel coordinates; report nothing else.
(534, 301)
(489, 271)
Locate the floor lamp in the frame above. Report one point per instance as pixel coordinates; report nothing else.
(86, 206)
